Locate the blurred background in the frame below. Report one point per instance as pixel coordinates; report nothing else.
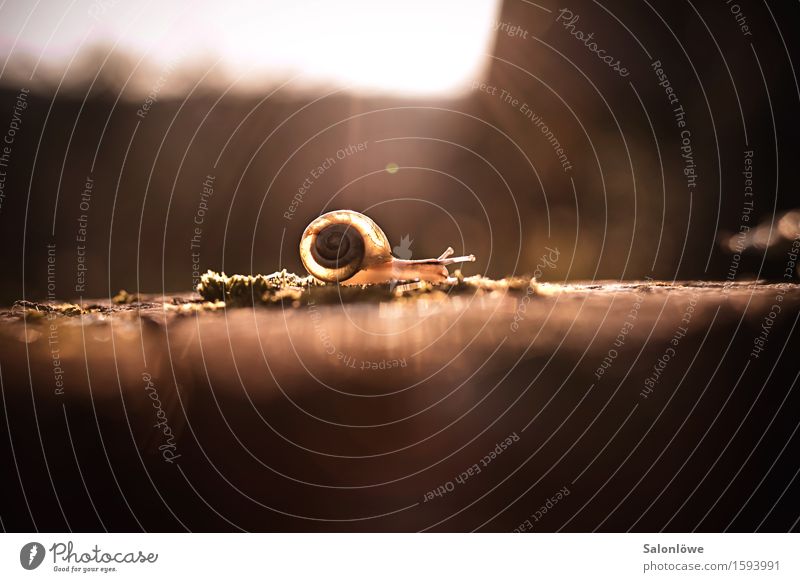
(156, 142)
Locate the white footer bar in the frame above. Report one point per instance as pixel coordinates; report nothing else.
(401, 557)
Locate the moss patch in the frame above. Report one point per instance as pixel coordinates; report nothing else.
(283, 288)
(219, 291)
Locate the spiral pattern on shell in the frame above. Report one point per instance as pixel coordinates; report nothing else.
(337, 245)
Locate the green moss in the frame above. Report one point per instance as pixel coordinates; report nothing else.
(220, 291)
(283, 288)
(33, 310)
(124, 298)
(245, 289)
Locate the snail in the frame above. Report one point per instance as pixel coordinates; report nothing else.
(347, 247)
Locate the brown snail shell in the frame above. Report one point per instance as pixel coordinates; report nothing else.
(347, 247)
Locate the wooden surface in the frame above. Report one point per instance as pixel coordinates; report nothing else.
(347, 416)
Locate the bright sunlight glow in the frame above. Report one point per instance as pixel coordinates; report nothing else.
(412, 47)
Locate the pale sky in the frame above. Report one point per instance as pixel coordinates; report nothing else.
(415, 47)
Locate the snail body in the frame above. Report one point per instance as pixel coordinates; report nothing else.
(347, 247)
